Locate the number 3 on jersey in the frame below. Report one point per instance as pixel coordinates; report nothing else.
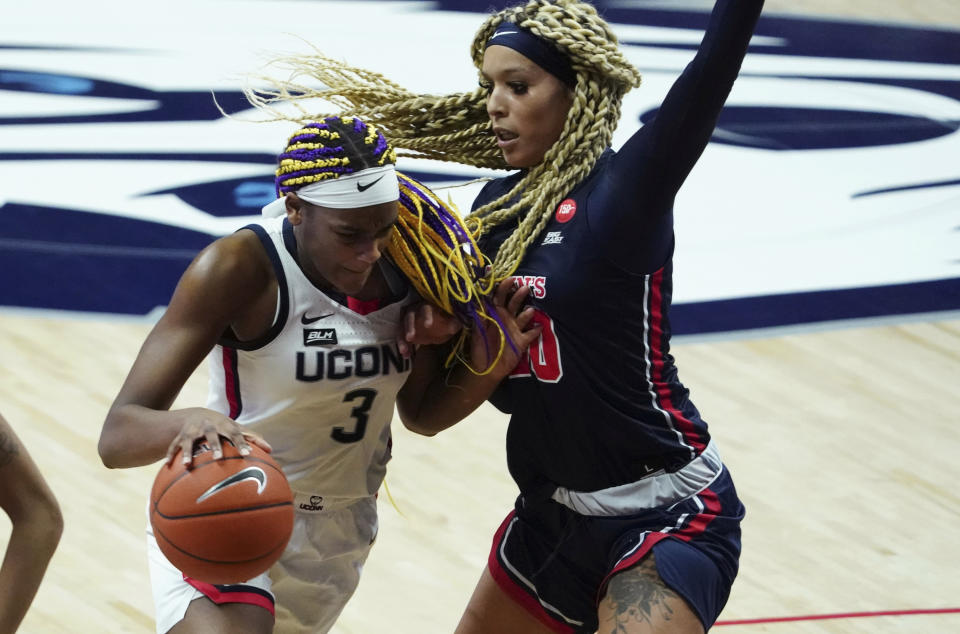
(543, 358)
(359, 412)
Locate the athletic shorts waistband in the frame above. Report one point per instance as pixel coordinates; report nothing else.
(656, 490)
(315, 503)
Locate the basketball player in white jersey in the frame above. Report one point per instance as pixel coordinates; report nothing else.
(298, 316)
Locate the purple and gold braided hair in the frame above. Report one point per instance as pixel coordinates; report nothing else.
(326, 149)
(430, 244)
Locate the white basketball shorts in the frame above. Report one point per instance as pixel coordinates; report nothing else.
(308, 587)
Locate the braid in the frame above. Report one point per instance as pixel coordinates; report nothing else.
(451, 128)
(323, 150)
(435, 251)
(430, 243)
(603, 76)
(456, 127)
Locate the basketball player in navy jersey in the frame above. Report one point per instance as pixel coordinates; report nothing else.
(298, 316)
(627, 519)
(37, 525)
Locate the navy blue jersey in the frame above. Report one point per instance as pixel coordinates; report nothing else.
(598, 402)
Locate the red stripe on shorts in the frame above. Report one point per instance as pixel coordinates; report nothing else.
(649, 542)
(513, 590)
(696, 526)
(232, 594)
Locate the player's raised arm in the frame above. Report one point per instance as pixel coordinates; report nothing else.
(685, 120)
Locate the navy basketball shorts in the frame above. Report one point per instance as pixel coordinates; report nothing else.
(556, 562)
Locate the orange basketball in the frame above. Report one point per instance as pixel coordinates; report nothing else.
(222, 521)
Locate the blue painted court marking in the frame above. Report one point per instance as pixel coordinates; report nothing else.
(793, 309)
(827, 195)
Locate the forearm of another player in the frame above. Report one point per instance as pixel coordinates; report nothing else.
(37, 526)
(435, 398)
(33, 541)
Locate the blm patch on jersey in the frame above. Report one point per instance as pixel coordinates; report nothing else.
(319, 336)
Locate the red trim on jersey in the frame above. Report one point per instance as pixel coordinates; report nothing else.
(233, 594)
(513, 590)
(686, 428)
(362, 307)
(231, 381)
(695, 527)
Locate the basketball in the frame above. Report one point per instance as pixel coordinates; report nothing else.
(222, 521)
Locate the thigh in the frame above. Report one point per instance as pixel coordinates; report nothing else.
(206, 617)
(174, 595)
(492, 610)
(638, 601)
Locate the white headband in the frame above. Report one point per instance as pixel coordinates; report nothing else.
(371, 186)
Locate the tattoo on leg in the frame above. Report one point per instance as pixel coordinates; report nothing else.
(8, 449)
(639, 595)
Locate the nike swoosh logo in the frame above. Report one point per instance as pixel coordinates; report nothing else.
(309, 320)
(250, 473)
(496, 35)
(363, 188)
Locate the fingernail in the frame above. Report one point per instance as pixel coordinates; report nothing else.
(217, 454)
(245, 451)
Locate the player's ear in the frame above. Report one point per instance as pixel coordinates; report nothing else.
(294, 208)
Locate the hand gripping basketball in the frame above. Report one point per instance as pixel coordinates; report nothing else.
(222, 521)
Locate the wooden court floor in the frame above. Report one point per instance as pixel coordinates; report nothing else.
(841, 442)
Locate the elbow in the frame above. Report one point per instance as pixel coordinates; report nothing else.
(109, 449)
(419, 429)
(108, 456)
(421, 415)
(106, 453)
(416, 425)
(113, 446)
(55, 525)
(45, 524)
(415, 421)
(409, 411)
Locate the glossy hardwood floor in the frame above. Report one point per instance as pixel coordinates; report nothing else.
(841, 443)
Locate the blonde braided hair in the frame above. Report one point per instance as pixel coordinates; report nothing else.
(456, 127)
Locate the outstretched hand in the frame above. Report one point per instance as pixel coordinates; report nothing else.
(205, 424)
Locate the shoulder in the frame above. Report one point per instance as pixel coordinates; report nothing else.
(238, 253)
(496, 188)
(237, 263)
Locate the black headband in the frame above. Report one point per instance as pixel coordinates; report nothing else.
(536, 49)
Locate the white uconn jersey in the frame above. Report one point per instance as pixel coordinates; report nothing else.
(320, 386)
